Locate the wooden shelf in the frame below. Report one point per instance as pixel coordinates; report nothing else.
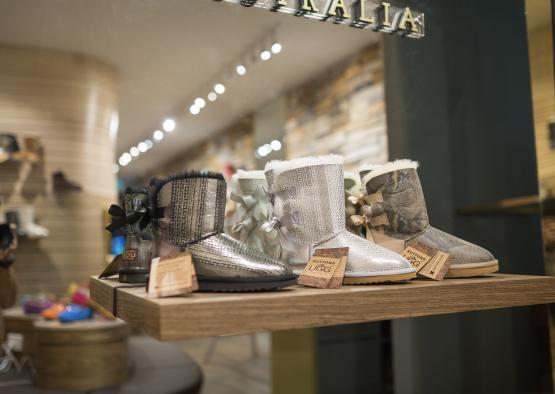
(211, 314)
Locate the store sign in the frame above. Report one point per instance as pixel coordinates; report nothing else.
(361, 14)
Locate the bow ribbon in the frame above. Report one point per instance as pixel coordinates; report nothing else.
(372, 213)
(138, 217)
(250, 222)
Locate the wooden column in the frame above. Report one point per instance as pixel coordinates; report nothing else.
(69, 102)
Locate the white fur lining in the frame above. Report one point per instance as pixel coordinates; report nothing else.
(279, 167)
(380, 169)
(242, 174)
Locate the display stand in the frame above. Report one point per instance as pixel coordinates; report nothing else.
(212, 314)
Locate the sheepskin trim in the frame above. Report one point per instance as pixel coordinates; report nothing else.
(241, 174)
(380, 169)
(137, 190)
(279, 167)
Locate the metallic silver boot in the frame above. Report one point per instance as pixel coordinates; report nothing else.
(134, 263)
(251, 213)
(397, 207)
(190, 216)
(309, 207)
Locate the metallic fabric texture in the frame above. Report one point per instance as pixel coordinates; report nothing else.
(190, 210)
(138, 200)
(404, 205)
(308, 198)
(252, 214)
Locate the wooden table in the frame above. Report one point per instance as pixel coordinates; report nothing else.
(211, 314)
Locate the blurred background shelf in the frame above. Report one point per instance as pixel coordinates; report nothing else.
(213, 314)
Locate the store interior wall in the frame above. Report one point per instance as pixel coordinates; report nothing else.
(67, 102)
(472, 132)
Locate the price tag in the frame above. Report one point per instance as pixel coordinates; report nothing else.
(438, 266)
(171, 276)
(325, 269)
(418, 255)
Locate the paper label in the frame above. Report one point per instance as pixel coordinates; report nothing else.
(438, 266)
(417, 256)
(172, 276)
(324, 265)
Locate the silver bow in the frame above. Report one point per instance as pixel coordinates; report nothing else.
(250, 222)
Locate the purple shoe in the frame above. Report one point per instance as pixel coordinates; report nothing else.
(36, 305)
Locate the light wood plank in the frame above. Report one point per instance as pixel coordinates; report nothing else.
(211, 314)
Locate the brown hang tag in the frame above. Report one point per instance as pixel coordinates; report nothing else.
(322, 266)
(418, 255)
(172, 276)
(337, 279)
(438, 266)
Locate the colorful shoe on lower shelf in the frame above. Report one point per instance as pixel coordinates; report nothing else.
(36, 305)
(74, 312)
(53, 312)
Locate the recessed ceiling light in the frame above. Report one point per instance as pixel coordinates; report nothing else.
(134, 151)
(276, 145)
(115, 168)
(194, 109)
(149, 144)
(125, 159)
(265, 55)
(158, 135)
(276, 48)
(212, 96)
(169, 125)
(241, 70)
(142, 147)
(199, 102)
(219, 88)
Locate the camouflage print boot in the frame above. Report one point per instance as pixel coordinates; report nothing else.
(395, 212)
(134, 263)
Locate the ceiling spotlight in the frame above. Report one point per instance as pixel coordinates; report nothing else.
(241, 70)
(219, 88)
(212, 96)
(142, 147)
(169, 125)
(125, 159)
(134, 151)
(276, 48)
(158, 135)
(115, 168)
(261, 151)
(149, 144)
(265, 55)
(199, 102)
(194, 109)
(276, 145)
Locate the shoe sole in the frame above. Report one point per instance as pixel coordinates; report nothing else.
(240, 287)
(488, 267)
(366, 280)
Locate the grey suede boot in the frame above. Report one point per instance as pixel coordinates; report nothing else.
(396, 216)
(190, 217)
(134, 219)
(308, 201)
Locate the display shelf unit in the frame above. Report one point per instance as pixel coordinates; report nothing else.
(212, 314)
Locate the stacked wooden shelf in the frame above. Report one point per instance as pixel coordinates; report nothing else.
(211, 314)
